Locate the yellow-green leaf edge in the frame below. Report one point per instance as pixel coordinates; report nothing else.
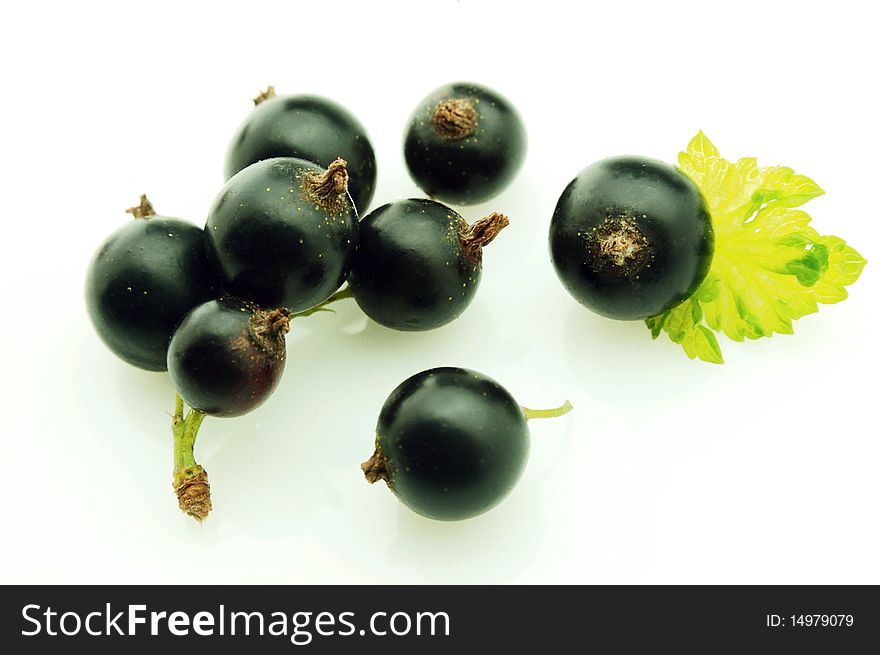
(770, 266)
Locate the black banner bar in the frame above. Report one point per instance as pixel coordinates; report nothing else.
(439, 619)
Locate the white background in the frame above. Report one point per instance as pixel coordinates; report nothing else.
(763, 470)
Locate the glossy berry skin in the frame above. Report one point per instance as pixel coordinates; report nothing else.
(454, 441)
(306, 127)
(220, 364)
(142, 281)
(272, 245)
(471, 166)
(631, 238)
(409, 271)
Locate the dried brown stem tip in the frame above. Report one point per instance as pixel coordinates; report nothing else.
(265, 95)
(455, 118)
(268, 328)
(475, 237)
(619, 245)
(376, 468)
(193, 492)
(143, 210)
(328, 190)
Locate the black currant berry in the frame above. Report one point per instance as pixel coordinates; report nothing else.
(227, 356)
(306, 127)
(418, 263)
(464, 143)
(143, 280)
(282, 231)
(225, 359)
(631, 238)
(451, 443)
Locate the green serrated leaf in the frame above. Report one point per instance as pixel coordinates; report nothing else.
(703, 344)
(696, 313)
(810, 268)
(655, 323)
(770, 267)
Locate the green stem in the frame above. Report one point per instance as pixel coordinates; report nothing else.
(185, 431)
(342, 294)
(190, 479)
(563, 409)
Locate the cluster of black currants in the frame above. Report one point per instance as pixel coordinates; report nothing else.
(630, 238)
(213, 305)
